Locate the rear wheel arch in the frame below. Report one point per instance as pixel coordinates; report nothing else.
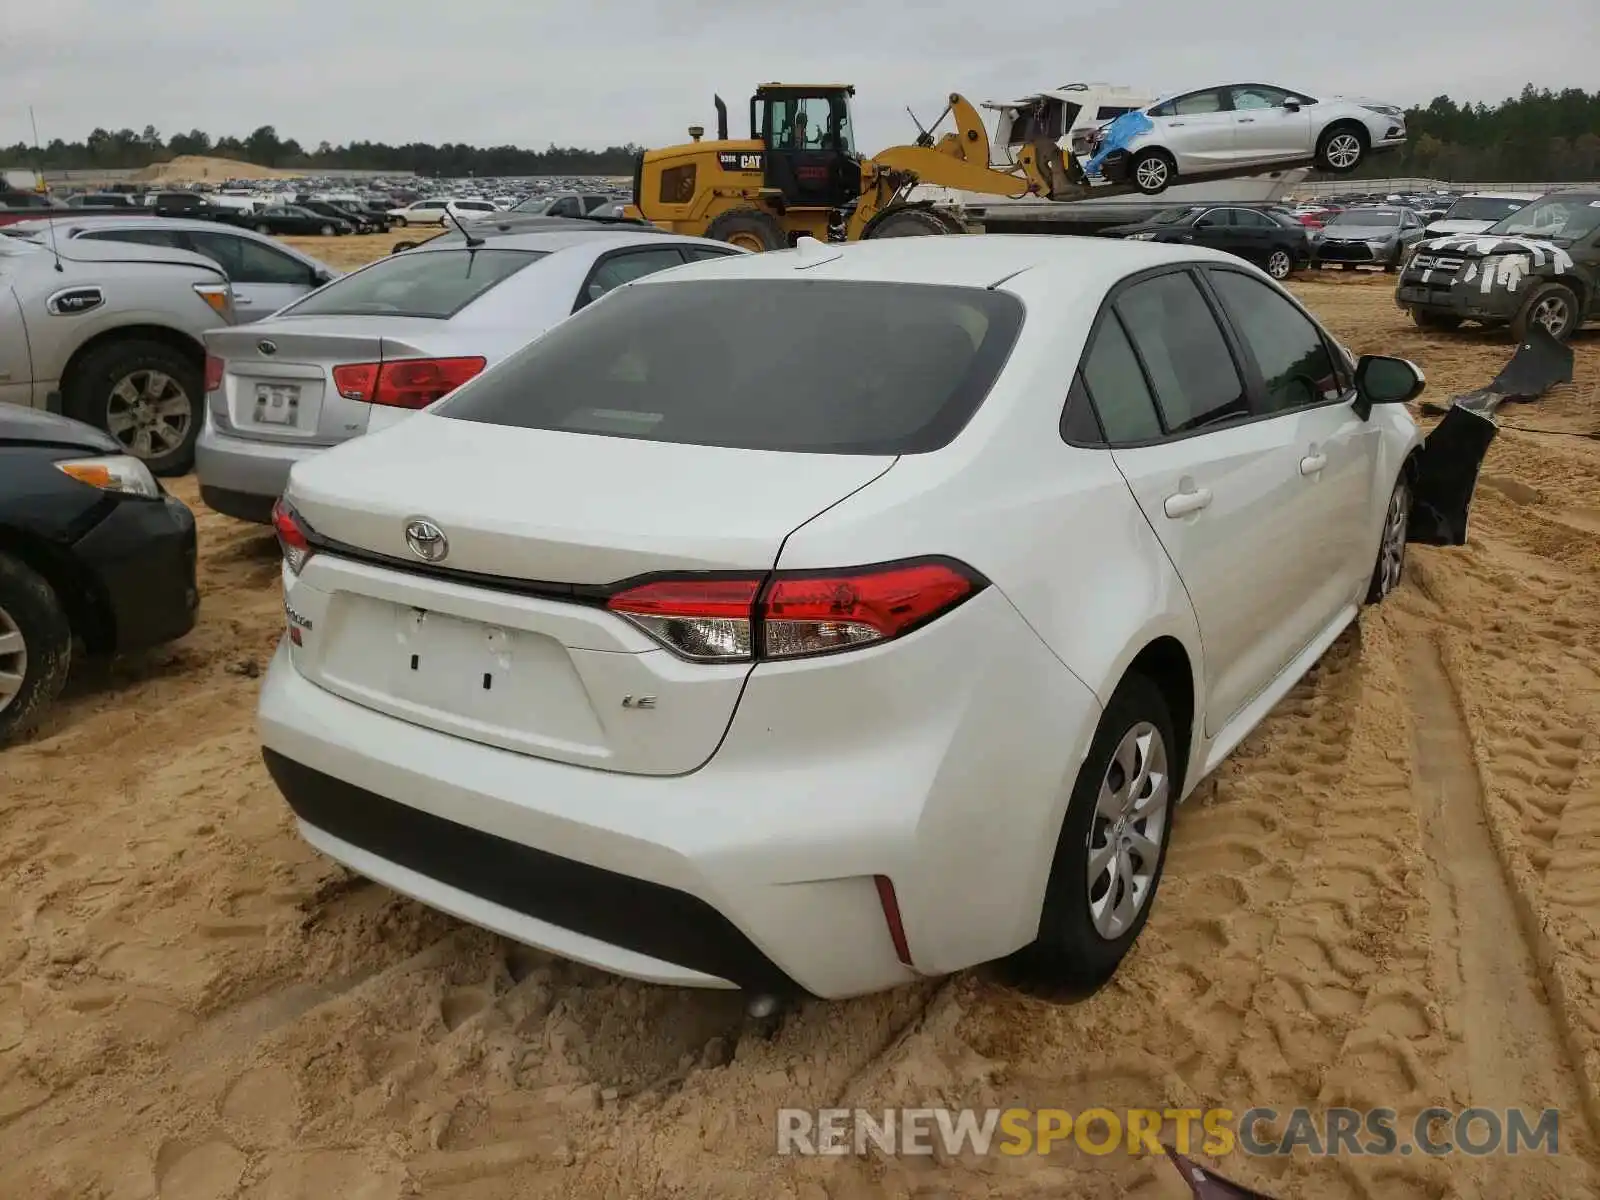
(181, 342)
(88, 610)
(1166, 663)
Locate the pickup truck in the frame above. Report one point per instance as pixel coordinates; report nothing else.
(110, 333)
(1540, 265)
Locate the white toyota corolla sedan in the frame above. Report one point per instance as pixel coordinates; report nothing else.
(817, 620)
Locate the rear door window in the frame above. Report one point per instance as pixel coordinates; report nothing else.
(1183, 352)
(434, 283)
(808, 366)
(248, 261)
(144, 237)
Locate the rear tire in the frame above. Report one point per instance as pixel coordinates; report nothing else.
(1125, 795)
(1152, 171)
(908, 222)
(157, 388)
(35, 648)
(1342, 148)
(752, 229)
(1554, 306)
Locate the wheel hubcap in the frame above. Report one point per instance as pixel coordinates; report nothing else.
(1130, 821)
(1278, 265)
(13, 660)
(1344, 150)
(149, 413)
(1393, 560)
(1152, 172)
(1552, 314)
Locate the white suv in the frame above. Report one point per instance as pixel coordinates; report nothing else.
(822, 619)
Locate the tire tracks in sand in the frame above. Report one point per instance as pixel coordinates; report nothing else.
(1516, 1052)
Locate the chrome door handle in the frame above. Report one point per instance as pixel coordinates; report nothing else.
(1181, 504)
(1311, 464)
(1175, 124)
(1247, 120)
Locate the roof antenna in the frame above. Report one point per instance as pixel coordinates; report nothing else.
(472, 242)
(39, 156)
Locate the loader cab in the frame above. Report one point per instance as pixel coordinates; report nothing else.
(809, 154)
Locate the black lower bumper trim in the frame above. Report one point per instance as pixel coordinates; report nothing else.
(619, 910)
(242, 506)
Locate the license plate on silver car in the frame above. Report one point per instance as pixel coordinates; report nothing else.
(277, 403)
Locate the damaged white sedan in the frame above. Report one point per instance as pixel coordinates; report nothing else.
(1239, 129)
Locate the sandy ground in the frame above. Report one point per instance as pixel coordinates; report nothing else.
(200, 168)
(1389, 896)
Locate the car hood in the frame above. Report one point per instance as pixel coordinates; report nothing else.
(1359, 233)
(1444, 228)
(1542, 251)
(32, 427)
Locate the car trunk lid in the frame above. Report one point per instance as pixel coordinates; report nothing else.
(505, 639)
(277, 382)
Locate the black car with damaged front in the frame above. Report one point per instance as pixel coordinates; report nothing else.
(94, 554)
(1540, 265)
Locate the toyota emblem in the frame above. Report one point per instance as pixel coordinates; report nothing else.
(267, 347)
(427, 540)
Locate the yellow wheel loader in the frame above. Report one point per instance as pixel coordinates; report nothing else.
(798, 174)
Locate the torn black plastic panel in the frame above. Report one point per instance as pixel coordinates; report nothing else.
(1539, 364)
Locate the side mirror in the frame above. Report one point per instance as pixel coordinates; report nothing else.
(1384, 380)
(1292, 104)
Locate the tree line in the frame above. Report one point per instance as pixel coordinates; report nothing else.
(1536, 136)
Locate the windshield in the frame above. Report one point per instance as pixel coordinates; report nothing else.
(533, 204)
(1483, 208)
(436, 283)
(1368, 217)
(735, 362)
(1564, 217)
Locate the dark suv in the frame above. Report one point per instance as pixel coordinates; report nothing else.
(1540, 265)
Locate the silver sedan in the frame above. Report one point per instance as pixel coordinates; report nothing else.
(393, 337)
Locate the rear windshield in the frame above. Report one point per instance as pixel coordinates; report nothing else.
(435, 283)
(810, 366)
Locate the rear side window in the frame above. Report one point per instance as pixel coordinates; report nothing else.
(1117, 386)
(435, 283)
(625, 268)
(808, 366)
(144, 237)
(1183, 351)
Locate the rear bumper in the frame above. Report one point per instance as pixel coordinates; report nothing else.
(241, 478)
(757, 870)
(143, 560)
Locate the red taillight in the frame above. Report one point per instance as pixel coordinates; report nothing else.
(356, 381)
(720, 618)
(213, 373)
(292, 536)
(406, 382)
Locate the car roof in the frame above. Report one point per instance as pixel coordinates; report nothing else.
(1502, 195)
(601, 235)
(963, 261)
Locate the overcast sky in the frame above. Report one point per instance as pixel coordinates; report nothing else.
(603, 72)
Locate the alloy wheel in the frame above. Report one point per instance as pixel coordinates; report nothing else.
(1152, 174)
(1279, 264)
(13, 659)
(1125, 837)
(1344, 150)
(149, 413)
(1552, 314)
(1392, 555)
